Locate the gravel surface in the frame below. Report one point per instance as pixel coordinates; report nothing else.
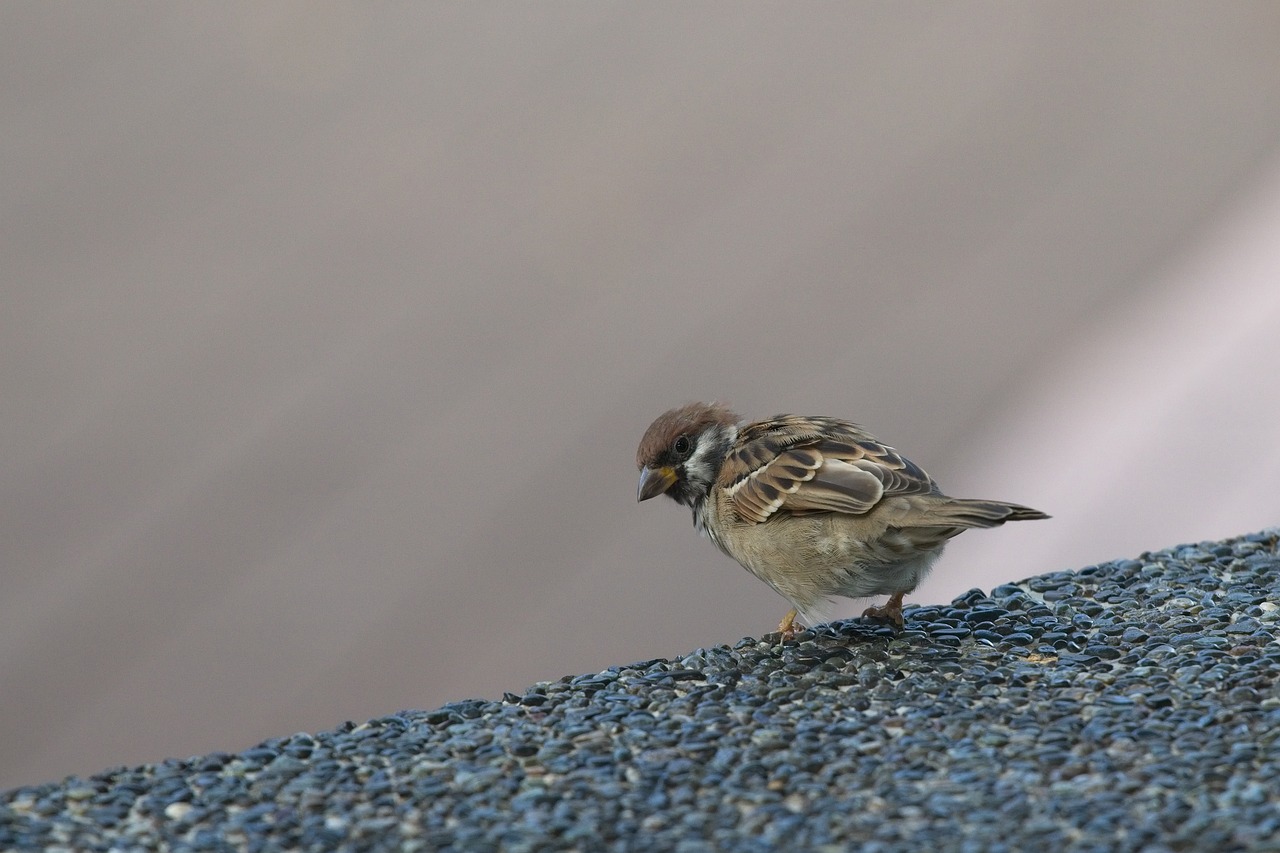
(1133, 705)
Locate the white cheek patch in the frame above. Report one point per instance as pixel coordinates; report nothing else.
(697, 467)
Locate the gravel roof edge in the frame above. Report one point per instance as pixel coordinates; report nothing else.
(1131, 705)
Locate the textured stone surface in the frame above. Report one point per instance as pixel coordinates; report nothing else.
(1133, 705)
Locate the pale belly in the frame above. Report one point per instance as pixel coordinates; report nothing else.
(812, 559)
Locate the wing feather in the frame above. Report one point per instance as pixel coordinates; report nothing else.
(804, 465)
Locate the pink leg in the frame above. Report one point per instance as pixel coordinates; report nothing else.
(891, 611)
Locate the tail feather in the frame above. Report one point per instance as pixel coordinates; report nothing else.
(967, 512)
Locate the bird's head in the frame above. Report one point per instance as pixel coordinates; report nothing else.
(682, 451)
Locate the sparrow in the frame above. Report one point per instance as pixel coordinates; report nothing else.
(815, 507)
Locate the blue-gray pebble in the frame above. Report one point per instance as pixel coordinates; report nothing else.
(1133, 705)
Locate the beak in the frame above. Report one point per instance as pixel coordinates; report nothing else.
(655, 481)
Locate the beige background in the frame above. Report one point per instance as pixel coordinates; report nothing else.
(328, 331)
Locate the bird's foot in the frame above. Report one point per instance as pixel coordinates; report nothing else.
(788, 627)
(891, 611)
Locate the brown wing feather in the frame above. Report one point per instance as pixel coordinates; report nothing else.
(802, 465)
(763, 475)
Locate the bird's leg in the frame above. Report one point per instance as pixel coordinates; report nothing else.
(787, 627)
(892, 610)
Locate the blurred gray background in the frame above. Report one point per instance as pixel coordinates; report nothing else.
(328, 331)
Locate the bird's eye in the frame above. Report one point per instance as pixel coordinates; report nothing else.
(681, 447)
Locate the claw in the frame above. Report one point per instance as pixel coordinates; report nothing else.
(891, 611)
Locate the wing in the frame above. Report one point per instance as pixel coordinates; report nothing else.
(802, 465)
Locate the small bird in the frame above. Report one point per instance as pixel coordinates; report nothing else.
(815, 507)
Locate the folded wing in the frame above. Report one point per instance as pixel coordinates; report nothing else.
(800, 465)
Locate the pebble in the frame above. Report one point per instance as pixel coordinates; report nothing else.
(1127, 706)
